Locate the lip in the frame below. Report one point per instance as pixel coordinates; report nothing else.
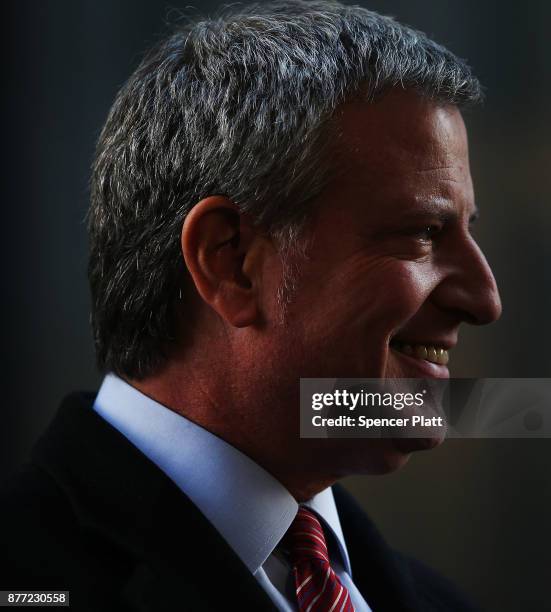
(425, 369)
(445, 343)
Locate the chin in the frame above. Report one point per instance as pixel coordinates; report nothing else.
(389, 455)
(387, 464)
(412, 445)
(377, 457)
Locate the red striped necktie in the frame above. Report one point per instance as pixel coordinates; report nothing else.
(318, 588)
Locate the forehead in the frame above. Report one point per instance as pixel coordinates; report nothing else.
(403, 147)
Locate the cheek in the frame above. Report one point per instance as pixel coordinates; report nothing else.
(378, 296)
(404, 288)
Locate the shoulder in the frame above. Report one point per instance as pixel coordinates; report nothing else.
(33, 509)
(45, 546)
(41, 534)
(36, 524)
(39, 524)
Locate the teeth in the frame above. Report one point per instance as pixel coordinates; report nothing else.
(420, 351)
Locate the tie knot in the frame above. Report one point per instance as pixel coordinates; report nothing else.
(305, 538)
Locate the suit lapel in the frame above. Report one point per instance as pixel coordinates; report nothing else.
(181, 561)
(382, 579)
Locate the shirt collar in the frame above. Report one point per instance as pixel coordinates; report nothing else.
(247, 505)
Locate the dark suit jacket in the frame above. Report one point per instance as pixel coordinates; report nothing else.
(92, 515)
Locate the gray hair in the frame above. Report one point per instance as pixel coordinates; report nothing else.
(236, 105)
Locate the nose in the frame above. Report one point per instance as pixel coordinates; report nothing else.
(469, 287)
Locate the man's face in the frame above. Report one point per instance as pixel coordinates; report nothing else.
(393, 269)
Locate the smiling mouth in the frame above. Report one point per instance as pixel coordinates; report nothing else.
(423, 352)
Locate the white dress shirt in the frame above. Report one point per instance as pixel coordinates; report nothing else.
(249, 507)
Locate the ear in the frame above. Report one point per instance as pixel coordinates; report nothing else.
(221, 251)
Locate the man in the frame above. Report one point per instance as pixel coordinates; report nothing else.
(280, 192)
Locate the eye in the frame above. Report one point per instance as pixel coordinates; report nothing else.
(427, 233)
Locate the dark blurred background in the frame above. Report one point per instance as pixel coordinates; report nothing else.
(478, 510)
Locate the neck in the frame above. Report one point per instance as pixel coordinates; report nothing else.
(244, 420)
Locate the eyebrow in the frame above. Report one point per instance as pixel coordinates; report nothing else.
(441, 208)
